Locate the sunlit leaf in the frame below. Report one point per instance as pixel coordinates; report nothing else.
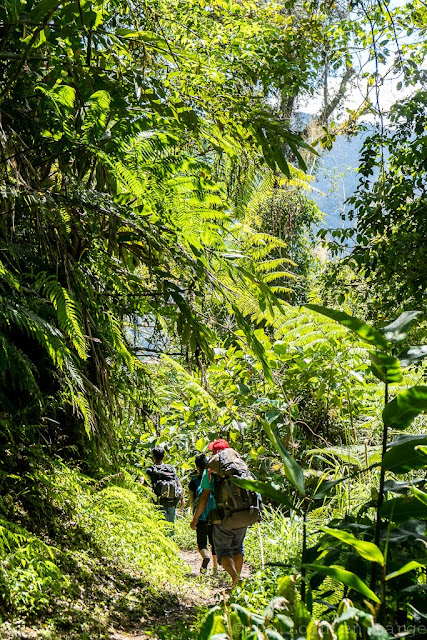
(293, 471)
(409, 566)
(204, 632)
(345, 577)
(324, 488)
(397, 330)
(385, 367)
(265, 489)
(420, 495)
(367, 550)
(412, 355)
(404, 408)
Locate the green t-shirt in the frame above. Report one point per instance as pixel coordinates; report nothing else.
(207, 483)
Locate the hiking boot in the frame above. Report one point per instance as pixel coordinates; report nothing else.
(204, 566)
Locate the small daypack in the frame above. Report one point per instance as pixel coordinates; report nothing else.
(166, 485)
(236, 507)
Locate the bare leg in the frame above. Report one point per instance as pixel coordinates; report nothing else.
(238, 562)
(215, 562)
(229, 566)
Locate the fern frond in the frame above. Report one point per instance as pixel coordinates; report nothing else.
(269, 265)
(28, 322)
(96, 115)
(9, 277)
(16, 369)
(68, 313)
(275, 275)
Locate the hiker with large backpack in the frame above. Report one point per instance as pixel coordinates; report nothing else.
(165, 484)
(235, 508)
(204, 528)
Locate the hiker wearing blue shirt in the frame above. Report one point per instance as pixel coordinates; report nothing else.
(204, 528)
(235, 508)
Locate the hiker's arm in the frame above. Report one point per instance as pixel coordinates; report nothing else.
(203, 501)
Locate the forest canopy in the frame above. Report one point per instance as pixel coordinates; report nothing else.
(163, 282)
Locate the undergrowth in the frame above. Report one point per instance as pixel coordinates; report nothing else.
(79, 556)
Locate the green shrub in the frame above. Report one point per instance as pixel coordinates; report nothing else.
(29, 574)
(81, 528)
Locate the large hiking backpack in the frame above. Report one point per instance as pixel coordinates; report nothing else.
(236, 507)
(166, 485)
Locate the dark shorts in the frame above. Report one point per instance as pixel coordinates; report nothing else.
(228, 543)
(204, 533)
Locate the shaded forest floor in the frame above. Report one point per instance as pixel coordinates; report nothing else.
(182, 610)
(200, 593)
(124, 608)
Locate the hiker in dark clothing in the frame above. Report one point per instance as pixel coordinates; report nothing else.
(166, 484)
(204, 528)
(235, 508)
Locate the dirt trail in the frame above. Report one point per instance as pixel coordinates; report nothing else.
(198, 592)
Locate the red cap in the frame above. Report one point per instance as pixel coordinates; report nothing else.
(218, 445)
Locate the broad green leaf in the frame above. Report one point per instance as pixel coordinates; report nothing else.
(286, 623)
(313, 632)
(412, 355)
(397, 330)
(43, 8)
(420, 495)
(351, 613)
(404, 408)
(409, 566)
(405, 456)
(272, 415)
(247, 617)
(360, 328)
(280, 347)
(201, 443)
(301, 614)
(244, 389)
(345, 577)
(205, 630)
(293, 471)
(270, 634)
(265, 489)
(401, 487)
(324, 488)
(401, 509)
(367, 550)
(385, 367)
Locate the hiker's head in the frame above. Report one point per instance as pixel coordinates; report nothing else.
(218, 445)
(158, 454)
(201, 462)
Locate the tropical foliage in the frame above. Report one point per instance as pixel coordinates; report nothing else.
(156, 239)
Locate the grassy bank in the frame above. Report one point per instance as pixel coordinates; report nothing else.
(81, 556)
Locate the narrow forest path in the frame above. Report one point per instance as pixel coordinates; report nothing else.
(198, 594)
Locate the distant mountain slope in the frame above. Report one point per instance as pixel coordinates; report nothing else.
(337, 178)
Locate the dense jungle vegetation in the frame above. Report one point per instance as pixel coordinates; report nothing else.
(162, 282)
